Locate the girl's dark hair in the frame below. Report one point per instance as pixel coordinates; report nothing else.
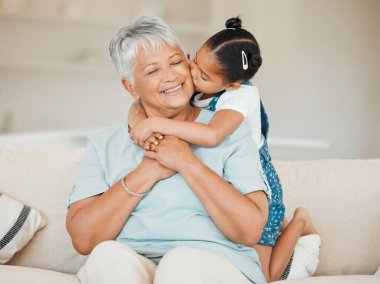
(228, 45)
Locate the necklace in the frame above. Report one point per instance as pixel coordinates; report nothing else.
(192, 114)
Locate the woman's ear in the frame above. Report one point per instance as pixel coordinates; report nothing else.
(130, 89)
(232, 86)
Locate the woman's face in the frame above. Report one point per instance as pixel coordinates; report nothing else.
(205, 73)
(162, 81)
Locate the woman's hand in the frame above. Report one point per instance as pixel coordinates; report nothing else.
(152, 167)
(142, 131)
(172, 153)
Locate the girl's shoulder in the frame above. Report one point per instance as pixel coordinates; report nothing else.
(245, 93)
(251, 90)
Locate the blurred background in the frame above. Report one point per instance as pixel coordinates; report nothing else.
(319, 80)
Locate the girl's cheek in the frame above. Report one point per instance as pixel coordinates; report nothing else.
(193, 75)
(196, 86)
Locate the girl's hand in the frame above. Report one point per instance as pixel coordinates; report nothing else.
(141, 131)
(172, 153)
(152, 140)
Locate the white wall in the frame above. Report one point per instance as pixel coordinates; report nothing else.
(319, 80)
(377, 86)
(57, 76)
(317, 75)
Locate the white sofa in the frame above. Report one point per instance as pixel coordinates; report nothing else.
(342, 195)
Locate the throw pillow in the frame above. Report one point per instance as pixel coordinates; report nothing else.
(18, 224)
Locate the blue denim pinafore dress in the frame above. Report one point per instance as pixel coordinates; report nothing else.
(276, 207)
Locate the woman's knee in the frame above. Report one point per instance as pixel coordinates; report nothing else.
(109, 249)
(110, 252)
(178, 257)
(190, 265)
(176, 267)
(118, 262)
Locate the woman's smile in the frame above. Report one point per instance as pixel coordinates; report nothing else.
(175, 90)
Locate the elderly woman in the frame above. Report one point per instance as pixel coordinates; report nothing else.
(181, 214)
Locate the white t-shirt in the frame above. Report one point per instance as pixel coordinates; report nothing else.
(246, 100)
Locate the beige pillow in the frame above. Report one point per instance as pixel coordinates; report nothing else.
(18, 224)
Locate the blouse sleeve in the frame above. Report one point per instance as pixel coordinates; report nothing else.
(90, 180)
(244, 100)
(242, 167)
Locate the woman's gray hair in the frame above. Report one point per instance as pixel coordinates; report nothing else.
(147, 32)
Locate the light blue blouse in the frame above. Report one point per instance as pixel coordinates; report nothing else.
(171, 215)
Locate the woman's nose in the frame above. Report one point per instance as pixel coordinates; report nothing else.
(169, 74)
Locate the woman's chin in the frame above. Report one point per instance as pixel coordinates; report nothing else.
(175, 101)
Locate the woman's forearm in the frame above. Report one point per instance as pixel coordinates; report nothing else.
(237, 216)
(100, 218)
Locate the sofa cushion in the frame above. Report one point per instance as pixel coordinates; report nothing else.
(346, 279)
(43, 179)
(18, 224)
(21, 275)
(342, 196)
(343, 199)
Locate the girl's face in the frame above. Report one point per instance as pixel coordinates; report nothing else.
(204, 70)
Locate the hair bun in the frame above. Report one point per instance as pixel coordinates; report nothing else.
(233, 23)
(256, 61)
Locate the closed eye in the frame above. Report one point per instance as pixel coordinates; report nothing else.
(177, 62)
(153, 71)
(203, 76)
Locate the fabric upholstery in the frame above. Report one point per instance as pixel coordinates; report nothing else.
(43, 179)
(346, 279)
(343, 199)
(342, 196)
(21, 275)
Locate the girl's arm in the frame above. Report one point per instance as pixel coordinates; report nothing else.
(221, 125)
(136, 115)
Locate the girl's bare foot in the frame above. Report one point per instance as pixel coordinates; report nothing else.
(303, 215)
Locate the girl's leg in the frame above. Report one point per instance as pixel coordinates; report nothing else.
(274, 260)
(265, 253)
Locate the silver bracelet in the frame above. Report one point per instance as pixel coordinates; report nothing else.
(130, 191)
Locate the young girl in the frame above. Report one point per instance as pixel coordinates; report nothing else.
(221, 69)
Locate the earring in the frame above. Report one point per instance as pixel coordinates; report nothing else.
(137, 105)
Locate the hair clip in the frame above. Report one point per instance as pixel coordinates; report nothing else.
(231, 28)
(244, 60)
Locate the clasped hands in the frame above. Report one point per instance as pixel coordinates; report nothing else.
(170, 151)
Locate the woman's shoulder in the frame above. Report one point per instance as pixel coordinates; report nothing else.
(109, 134)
